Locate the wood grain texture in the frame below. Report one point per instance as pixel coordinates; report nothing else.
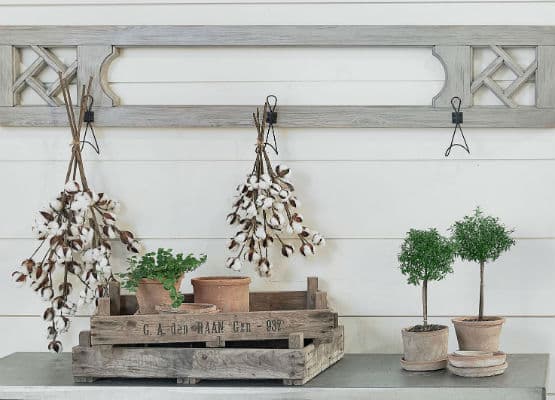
(94, 62)
(163, 328)
(545, 77)
(289, 117)
(167, 362)
(277, 35)
(457, 62)
(295, 365)
(7, 75)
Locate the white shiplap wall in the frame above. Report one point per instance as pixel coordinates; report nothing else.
(362, 188)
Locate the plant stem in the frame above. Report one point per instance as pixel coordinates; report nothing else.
(481, 308)
(425, 301)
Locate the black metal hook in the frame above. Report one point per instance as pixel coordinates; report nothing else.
(271, 119)
(88, 119)
(457, 119)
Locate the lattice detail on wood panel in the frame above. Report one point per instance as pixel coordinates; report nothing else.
(29, 78)
(504, 59)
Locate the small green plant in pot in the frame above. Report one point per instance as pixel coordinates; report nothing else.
(425, 256)
(156, 278)
(480, 238)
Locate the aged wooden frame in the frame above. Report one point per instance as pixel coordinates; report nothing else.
(97, 46)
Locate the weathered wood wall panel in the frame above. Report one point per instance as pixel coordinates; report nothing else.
(453, 45)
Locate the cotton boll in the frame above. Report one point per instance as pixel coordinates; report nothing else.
(48, 314)
(19, 278)
(251, 256)
(251, 211)
(275, 189)
(289, 229)
(72, 187)
(297, 227)
(232, 244)
(264, 182)
(63, 253)
(241, 237)
(318, 240)
(56, 205)
(55, 346)
(50, 332)
(234, 263)
(46, 293)
(287, 250)
(307, 249)
(283, 195)
(260, 233)
(268, 202)
(278, 206)
(58, 303)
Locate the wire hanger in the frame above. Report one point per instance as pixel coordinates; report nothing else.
(271, 120)
(457, 119)
(88, 119)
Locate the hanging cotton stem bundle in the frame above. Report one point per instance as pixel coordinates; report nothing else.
(265, 211)
(74, 231)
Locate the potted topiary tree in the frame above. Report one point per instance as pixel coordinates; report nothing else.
(480, 238)
(156, 278)
(425, 256)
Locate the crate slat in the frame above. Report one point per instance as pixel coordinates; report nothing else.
(182, 328)
(189, 365)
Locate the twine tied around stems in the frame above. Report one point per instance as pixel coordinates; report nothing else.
(457, 119)
(75, 125)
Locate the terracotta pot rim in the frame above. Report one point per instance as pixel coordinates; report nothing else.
(444, 329)
(221, 280)
(488, 321)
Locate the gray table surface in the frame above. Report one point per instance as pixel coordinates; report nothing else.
(356, 376)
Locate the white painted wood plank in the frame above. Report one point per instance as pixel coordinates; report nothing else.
(359, 275)
(152, 2)
(467, 13)
(381, 93)
(43, 144)
(192, 64)
(416, 194)
(314, 93)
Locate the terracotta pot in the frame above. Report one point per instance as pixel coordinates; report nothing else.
(425, 351)
(151, 293)
(229, 294)
(478, 335)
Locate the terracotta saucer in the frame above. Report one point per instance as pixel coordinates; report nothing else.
(188, 308)
(478, 372)
(423, 365)
(476, 359)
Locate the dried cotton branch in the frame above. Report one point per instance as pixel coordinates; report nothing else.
(74, 231)
(265, 210)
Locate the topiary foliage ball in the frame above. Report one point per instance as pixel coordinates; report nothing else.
(426, 255)
(481, 238)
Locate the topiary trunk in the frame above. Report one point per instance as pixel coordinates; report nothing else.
(481, 308)
(425, 301)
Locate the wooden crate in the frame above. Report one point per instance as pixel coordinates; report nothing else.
(291, 336)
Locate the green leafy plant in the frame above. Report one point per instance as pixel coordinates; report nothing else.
(425, 256)
(162, 266)
(481, 238)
